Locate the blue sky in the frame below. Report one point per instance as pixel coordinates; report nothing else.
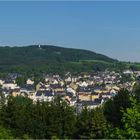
(110, 28)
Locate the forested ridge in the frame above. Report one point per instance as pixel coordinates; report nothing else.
(53, 59)
(45, 54)
(48, 58)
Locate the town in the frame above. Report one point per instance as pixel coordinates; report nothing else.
(87, 89)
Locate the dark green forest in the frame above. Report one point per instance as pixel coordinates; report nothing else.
(51, 59)
(33, 55)
(118, 118)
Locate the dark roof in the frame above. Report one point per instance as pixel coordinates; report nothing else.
(84, 89)
(38, 93)
(70, 94)
(61, 93)
(13, 75)
(6, 91)
(54, 86)
(28, 87)
(45, 93)
(8, 81)
(90, 86)
(48, 93)
(97, 101)
(97, 88)
(2, 78)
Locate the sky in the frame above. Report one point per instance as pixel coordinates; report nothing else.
(106, 27)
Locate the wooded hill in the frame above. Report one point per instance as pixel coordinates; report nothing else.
(54, 59)
(46, 54)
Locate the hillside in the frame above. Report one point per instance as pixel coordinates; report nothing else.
(49, 57)
(47, 53)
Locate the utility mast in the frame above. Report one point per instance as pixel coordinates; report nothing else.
(39, 46)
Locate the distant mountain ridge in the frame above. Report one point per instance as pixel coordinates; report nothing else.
(37, 55)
